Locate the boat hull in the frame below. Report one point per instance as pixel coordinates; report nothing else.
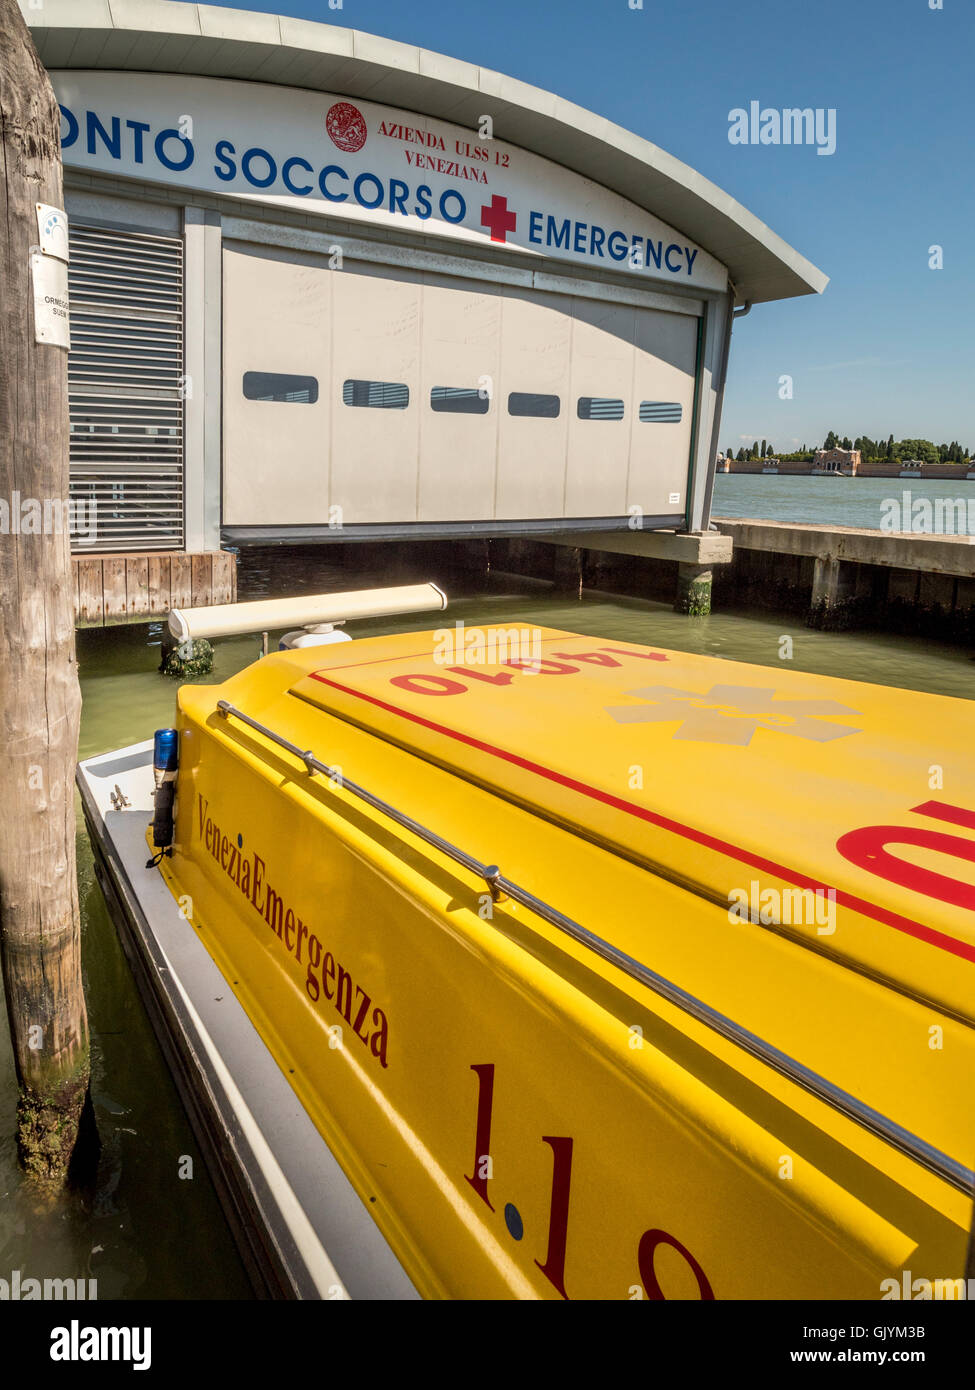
(519, 1118)
(290, 1208)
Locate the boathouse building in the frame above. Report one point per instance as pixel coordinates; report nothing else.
(326, 286)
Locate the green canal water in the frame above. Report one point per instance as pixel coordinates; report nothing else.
(148, 1232)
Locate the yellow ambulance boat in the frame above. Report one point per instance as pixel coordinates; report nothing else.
(558, 967)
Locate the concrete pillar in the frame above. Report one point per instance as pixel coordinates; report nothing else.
(473, 556)
(833, 591)
(834, 581)
(937, 591)
(693, 590)
(567, 570)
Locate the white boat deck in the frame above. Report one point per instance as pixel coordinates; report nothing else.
(303, 1230)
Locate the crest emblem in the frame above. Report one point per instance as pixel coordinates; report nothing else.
(346, 126)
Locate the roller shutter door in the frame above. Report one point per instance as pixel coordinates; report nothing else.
(126, 387)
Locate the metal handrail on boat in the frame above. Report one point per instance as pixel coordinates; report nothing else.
(949, 1169)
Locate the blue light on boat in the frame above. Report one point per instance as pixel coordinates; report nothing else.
(165, 750)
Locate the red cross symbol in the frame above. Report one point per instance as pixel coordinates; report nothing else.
(497, 217)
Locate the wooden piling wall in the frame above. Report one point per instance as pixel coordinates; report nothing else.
(135, 588)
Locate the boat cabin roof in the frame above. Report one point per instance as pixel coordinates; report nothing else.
(794, 852)
(809, 803)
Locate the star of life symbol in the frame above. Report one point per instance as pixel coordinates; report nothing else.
(731, 714)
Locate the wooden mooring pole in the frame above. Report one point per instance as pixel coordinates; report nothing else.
(40, 701)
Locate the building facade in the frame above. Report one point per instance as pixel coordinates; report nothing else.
(326, 286)
(845, 461)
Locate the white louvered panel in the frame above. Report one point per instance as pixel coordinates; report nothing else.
(125, 372)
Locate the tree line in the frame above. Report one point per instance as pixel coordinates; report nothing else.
(871, 450)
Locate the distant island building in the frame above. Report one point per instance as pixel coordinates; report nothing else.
(845, 461)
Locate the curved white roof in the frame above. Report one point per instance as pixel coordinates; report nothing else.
(205, 40)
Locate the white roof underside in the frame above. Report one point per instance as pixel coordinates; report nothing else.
(204, 40)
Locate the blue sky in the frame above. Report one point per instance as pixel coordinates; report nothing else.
(889, 346)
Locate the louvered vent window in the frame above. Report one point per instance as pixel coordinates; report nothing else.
(376, 395)
(460, 400)
(599, 408)
(661, 412)
(125, 374)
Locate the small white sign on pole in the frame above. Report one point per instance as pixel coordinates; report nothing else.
(49, 277)
(52, 322)
(52, 231)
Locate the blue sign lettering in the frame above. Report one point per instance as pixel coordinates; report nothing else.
(138, 129)
(69, 136)
(118, 137)
(622, 246)
(248, 173)
(223, 150)
(159, 144)
(286, 168)
(332, 169)
(557, 236)
(461, 212)
(360, 197)
(112, 143)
